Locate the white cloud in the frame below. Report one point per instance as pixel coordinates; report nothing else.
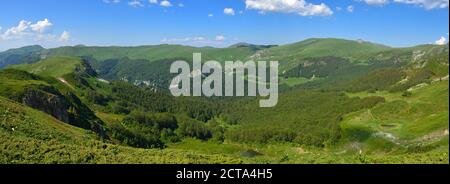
(220, 38)
(197, 39)
(338, 8)
(18, 31)
(300, 7)
(441, 41)
(180, 5)
(210, 15)
(228, 11)
(24, 34)
(350, 8)
(427, 4)
(65, 36)
(165, 3)
(184, 40)
(153, 1)
(135, 4)
(42, 26)
(375, 2)
(111, 1)
(27, 31)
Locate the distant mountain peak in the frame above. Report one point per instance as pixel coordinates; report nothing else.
(30, 48)
(254, 46)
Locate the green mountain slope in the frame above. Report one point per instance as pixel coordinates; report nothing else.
(354, 51)
(30, 136)
(53, 67)
(324, 58)
(28, 54)
(309, 118)
(49, 95)
(416, 123)
(154, 53)
(252, 46)
(317, 47)
(341, 101)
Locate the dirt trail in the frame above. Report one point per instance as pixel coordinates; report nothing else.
(300, 150)
(433, 136)
(441, 79)
(64, 81)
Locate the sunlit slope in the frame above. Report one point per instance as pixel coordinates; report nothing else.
(358, 51)
(414, 122)
(54, 66)
(31, 136)
(50, 96)
(154, 53)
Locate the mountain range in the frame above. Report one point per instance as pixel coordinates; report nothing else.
(340, 101)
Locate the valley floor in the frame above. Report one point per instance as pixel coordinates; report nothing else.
(30, 136)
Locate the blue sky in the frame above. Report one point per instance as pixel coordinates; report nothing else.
(219, 23)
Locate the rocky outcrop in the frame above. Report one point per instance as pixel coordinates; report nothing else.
(85, 69)
(52, 104)
(66, 108)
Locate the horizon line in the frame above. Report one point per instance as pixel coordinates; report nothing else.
(228, 46)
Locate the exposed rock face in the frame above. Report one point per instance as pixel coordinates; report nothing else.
(52, 104)
(68, 109)
(85, 69)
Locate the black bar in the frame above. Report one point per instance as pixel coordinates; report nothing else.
(317, 173)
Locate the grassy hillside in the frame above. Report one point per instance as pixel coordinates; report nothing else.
(393, 129)
(50, 96)
(28, 54)
(417, 123)
(54, 66)
(327, 58)
(317, 47)
(154, 53)
(341, 101)
(354, 51)
(30, 136)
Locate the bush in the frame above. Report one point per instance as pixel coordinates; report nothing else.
(406, 94)
(192, 128)
(135, 137)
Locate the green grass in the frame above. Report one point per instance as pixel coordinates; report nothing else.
(54, 66)
(329, 47)
(292, 54)
(296, 154)
(39, 138)
(155, 52)
(14, 83)
(293, 81)
(421, 119)
(30, 136)
(307, 126)
(16, 88)
(27, 54)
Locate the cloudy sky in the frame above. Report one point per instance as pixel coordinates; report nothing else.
(219, 23)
